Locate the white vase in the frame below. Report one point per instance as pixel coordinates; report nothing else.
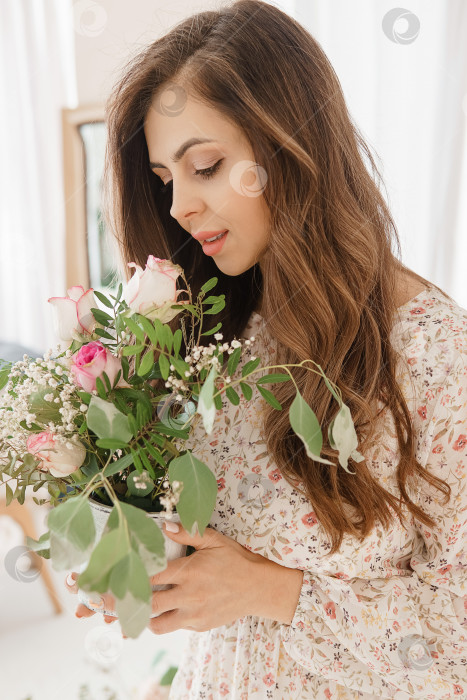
(173, 550)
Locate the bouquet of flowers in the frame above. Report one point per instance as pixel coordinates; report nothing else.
(87, 423)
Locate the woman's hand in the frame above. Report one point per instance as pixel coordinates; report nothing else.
(82, 610)
(216, 585)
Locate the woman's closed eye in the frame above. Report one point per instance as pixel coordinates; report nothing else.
(205, 174)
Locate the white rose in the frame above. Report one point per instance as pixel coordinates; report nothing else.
(73, 313)
(152, 291)
(55, 456)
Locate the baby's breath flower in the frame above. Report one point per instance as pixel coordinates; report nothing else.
(83, 408)
(218, 336)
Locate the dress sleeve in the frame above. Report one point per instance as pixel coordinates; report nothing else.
(405, 635)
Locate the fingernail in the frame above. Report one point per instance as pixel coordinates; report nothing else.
(96, 604)
(70, 580)
(171, 527)
(78, 616)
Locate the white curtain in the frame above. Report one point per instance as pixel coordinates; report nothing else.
(37, 79)
(404, 76)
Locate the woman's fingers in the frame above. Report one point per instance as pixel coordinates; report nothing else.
(83, 611)
(98, 603)
(70, 582)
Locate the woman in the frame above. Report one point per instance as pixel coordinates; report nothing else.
(312, 582)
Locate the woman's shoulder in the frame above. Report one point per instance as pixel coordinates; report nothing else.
(431, 330)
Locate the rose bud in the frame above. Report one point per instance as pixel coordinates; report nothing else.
(90, 362)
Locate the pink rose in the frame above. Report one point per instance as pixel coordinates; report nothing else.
(152, 291)
(90, 362)
(58, 455)
(73, 313)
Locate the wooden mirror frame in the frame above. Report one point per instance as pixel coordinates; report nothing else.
(74, 169)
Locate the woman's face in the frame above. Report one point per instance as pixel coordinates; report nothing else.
(228, 195)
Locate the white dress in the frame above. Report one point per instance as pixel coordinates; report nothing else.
(386, 618)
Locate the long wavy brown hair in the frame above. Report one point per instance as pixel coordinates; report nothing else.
(328, 284)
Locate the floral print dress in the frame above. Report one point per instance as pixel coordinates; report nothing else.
(386, 618)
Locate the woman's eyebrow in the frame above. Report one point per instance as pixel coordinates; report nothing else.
(178, 155)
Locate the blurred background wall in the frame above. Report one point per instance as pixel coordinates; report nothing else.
(403, 72)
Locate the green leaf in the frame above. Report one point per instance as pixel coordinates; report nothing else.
(135, 329)
(250, 366)
(233, 361)
(178, 336)
(5, 373)
(146, 363)
(232, 395)
(305, 424)
(273, 378)
(111, 444)
(45, 411)
(168, 676)
(206, 406)
(112, 547)
(270, 398)
(106, 421)
(118, 465)
(102, 298)
(40, 546)
(199, 493)
(128, 350)
(211, 331)
(149, 329)
(72, 533)
(102, 317)
(100, 388)
(140, 484)
(9, 494)
(207, 286)
(146, 538)
(107, 381)
(164, 366)
(136, 461)
(247, 390)
(336, 396)
(104, 334)
(134, 608)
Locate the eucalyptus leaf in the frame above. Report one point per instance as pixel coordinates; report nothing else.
(133, 612)
(198, 496)
(344, 437)
(112, 547)
(146, 538)
(140, 484)
(106, 421)
(71, 524)
(305, 424)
